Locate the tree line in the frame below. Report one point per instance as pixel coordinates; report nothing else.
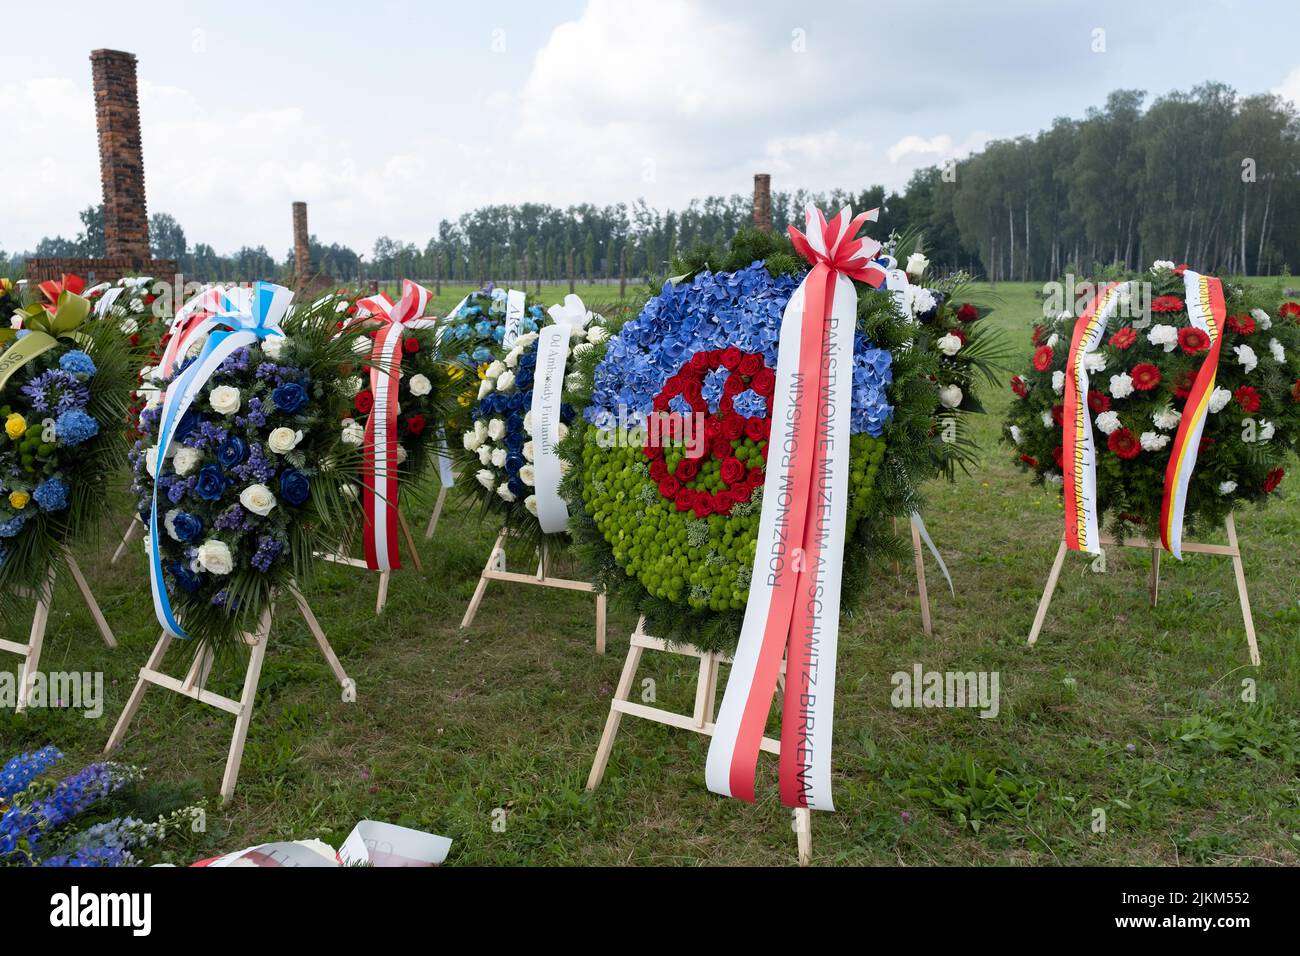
(1206, 177)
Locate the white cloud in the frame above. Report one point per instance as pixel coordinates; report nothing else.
(1289, 88)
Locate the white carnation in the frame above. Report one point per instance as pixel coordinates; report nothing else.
(169, 523)
(1165, 335)
(1058, 381)
(1219, 400)
(1279, 352)
(353, 433)
(1262, 321)
(1053, 478)
(1015, 434)
(1162, 265)
(1246, 357)
(1107, 422)
(597, 334)
(1121, 385)
(923, 301)
(950, 396)
(1052, 340)
(1048, 420)
(1153, 441)
(1227, 487)
(1094, 362)
(273, 347)
(1167, 418)
(525, 340)
(362, 345)
(1266, 430)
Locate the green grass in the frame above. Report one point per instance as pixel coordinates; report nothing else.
(1120, 707)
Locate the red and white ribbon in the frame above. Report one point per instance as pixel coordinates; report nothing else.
(192, 320)
(794, 592)
(379, 468)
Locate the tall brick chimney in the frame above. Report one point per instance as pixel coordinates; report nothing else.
(121, 159)
(301, 247)
(763, 201)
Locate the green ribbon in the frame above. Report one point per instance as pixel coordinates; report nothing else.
(43, 332)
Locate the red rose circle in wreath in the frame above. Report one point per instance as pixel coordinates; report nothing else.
(739, 478)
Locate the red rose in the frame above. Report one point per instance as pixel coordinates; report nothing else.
(967, 313)
(1098, 402)
(720, 448)
(764, 382)
(1018, 386)
(1058, 414)
(734, 385)
(134, 340)
(1167, 303)
(731, 357)
(712, 429)
(658, 472)
(364, 401)
(1290, 309)
(959, 335)
(1124, 443)
(1193, 340)
(755, 477)
(750, 364)
(687, 469)
(721, 502)
(352, 310)
(668, 485)
(411, 345)
(700, 362)
(733, 427)
(1058, 453)
(1206, 443)
(703, 506)
(660, 403)
(1273, 479)
(683, 499)
(1029, 460)
(692, 392)
(733, 469)
(1043, 358)
(653, 451)
(755, 431)
(1241, 324)
(1247, 397)
(1145, 377)
(1123, 338)
(415, 424)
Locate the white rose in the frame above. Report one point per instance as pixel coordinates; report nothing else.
(949, 344)
(1107, 422)
(169, 523)
(485, 388)
(499, 457)
(1052, 340)
(1279, 352)
(486, 478)
(484, 454)
(353, 433)
(1121, 385)
(496, 429)
(283, 440)
(480, 429)
(1266, 430)
(950, 396)
(1227, 487)
(512, 358)
(420, 385)
(1246, 357)
(505, 381)
(1262, 321)
(362, 345)
(531, 504)
(923, 301)
(472, 441)
(401, 455)
(273, 347)
(528, 451)
(1094, 362)
(597, 334)
(186, 460)
(225, 400)
(495, 369)
(1153, 441)
(1058, 381)
(150, 461)
(564, 430)
(257, 499)
(528, 475)
(1048, 420)
(1015, 434)
(525, 340)
(1167, 418)
(1165, 335)
(528, 422)
(1219, 400)
(214, 557)
(504, 491)
(916, 265)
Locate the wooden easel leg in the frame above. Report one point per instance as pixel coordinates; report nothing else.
(91, 604)
(317, 632)
(411, 549)
(245, 716)
(381, 598)
(1240, 571)
(803, 831)
(137, 695)
(893, 526)
(437, 513)
(622, 692)
(920, 581)
(497, 555)
(36, 639)
(135, 527)
(1155, 576)
(1047, 593)
(600, 624)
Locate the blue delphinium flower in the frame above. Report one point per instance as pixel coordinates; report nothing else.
(51, 494)
(24, 768)
(74, 427)
(78, 363)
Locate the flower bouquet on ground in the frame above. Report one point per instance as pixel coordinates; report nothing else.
(1175, 409)
(239, 474)
(83, 820)
(64, 380)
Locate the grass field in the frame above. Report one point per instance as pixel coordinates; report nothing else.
(1121, 708)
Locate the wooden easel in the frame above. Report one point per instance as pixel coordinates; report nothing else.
(921, 587)
(701, 720)
(1231, 550)
(136, 527)
(437, 512)
(31, 651)
(194, 685)
(384, 576)
(495, 570)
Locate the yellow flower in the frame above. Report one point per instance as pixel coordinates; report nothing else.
(5, 285)
(482, 370)
(19, 499)
(15, 426)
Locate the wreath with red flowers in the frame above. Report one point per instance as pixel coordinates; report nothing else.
(1143, 376)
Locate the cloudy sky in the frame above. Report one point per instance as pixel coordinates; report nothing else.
(387, 116)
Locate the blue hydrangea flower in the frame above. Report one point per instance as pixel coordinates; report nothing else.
(51, 494)
(10, 528)
(78, 363)
(74, 427)
(750, 404)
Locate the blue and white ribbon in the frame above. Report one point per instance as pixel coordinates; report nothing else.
(244, 316)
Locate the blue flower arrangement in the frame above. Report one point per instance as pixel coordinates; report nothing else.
(476, 332)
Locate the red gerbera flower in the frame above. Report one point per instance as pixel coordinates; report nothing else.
(1098, 402)
(1167, 303)
(1123, 338)
(1273, 479)
(1145, 377)
(1037, 335)
(1029, 460)
(1058, 414)
(1124, 443)
(1183, 383)
(1247, 397)
(1241, 324)
(1193, 341)
(1043, 358)
(967, 313)
(1018, 386)
(1058, 453)
(1290, 310)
